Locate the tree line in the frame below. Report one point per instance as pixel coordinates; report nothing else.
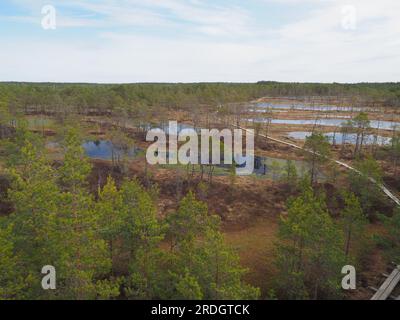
(132, 98)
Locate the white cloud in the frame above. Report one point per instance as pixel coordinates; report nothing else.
(218, 44)
(198, 16)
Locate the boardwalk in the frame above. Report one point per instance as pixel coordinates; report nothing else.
(384, 189)
(385, 291)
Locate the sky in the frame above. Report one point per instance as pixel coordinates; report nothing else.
(126, 41)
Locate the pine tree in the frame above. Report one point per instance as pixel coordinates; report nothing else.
(76, 166)
(85, 255)
(5, 120)
(290, 176)
(142, 235)
(310, 251)
(318, 151)
(111, 212)
(395, 152)
(23, 136)
(217, 268)
(276, 170)
(361, 184)
(198, 251)
(189, 221)
(391, 242)
(361, 123)
(353, 220)
(36, 198)
(188, 288)
(12, 281)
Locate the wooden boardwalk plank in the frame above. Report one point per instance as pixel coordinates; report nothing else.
(388, 286)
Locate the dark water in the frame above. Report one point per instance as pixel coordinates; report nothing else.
(375, 124)
(102, 149)
(263, 166)
(309, 107)
(106, 150)
(273, 168)
(350, 138)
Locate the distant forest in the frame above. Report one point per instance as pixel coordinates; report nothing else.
(116, 98)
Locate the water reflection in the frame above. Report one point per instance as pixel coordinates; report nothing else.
(272, 168)
(375, 124)
(106, 150)
(310, 107)
(101, 149)
(339, 138)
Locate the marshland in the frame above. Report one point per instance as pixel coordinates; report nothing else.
(76, 189)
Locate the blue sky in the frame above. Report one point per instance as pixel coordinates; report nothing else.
(201, 40)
